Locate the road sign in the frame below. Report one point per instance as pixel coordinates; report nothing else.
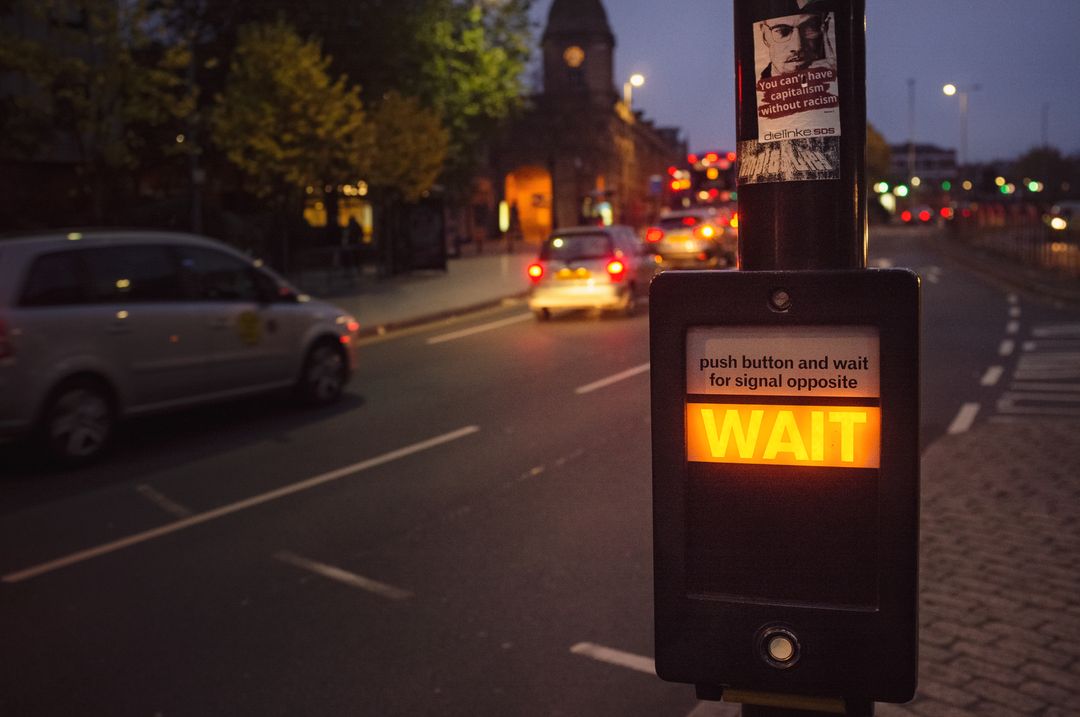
(785, 481)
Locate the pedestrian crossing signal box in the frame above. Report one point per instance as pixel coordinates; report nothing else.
(785, 412)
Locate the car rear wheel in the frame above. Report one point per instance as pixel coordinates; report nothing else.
(78, 423)
(322, 380)
(542, 314)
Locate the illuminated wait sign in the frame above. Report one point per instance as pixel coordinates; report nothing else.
(770, 434)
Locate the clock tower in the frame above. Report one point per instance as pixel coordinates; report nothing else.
(579, 50)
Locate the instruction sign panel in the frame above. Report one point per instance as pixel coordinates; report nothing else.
(801, 364)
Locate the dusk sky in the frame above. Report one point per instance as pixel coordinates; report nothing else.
(1022, 55)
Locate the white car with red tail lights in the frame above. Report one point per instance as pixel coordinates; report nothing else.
(102, 325)
(605, 268)
(701, 238)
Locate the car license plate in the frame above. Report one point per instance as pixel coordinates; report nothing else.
(579, 273)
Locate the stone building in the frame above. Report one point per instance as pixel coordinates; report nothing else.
(581, 154)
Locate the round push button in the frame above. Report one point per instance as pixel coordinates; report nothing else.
(779, 647)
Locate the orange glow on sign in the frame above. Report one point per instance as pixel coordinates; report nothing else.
(814, 436)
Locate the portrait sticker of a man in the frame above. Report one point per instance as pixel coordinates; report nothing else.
(796, 70)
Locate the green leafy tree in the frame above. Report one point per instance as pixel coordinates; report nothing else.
(412, 145)
(96, 78)
(1057, 173)
(878, 155)
(284, 121)
(473, 75)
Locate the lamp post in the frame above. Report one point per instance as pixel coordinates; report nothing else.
(636, 80)
(950, 90)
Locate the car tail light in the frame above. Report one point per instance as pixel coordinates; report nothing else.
(616, 270)
(905, 216)
(654, 234)
(536, 271)
(925, 215)
(6, 349)
(689, 221)
(947, 213)
(705, 231)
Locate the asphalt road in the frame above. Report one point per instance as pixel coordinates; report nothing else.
(468, 533)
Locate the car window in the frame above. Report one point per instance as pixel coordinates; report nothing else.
(211, 275)
(678, 222)
(569, 247)
(131, 274)
(56, 279)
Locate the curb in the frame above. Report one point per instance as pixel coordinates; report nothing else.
(392, 326)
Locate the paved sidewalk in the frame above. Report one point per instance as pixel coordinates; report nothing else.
(469, 284)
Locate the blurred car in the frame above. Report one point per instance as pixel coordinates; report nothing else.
(920, 215)
(701, 238)
(102, 325)
(1064, 216)
(591, 268)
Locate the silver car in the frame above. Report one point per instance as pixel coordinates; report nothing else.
(591, 268)
(100, 325)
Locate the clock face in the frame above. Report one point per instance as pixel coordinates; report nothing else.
(574, 56)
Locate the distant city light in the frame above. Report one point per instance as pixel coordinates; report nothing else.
(637, 80)
(968, 186)
(180, 139)
(1035, 186)
(916, 182)
(949, 89)
(881, 187)
(1059, 224)
(900, 191)
(946, 186)
(1000, 181)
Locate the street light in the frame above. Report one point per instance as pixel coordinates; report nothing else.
(950, 90)
(636, 80)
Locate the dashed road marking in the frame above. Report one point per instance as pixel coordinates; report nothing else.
(1057, 331)
(1013, 327)
(605, 382)
(490, 326)
(992, 375)
(1013, 299)
(344, 577)
(1014, 312)
(1007, 347)
(192, 521)
(615, 657)
(964, 419)
(166, 504)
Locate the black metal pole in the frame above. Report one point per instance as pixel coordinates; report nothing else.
(800, 91)
(801, 137)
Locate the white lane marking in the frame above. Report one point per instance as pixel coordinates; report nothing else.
(992, 375)
(1007, 347)
(491, 326)
(1057, 331)
(1009, 407)
(964, 419)
(169, 506)
(1042, 397)
(1029, 346)
(605, 382)
(1013, 327)
(170, 528)
(345, 577)
(1047, 386)
(615, 657)
(1014, 312)
(1013, 299)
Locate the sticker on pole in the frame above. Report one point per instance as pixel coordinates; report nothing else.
(797, 91)
(800, 396)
